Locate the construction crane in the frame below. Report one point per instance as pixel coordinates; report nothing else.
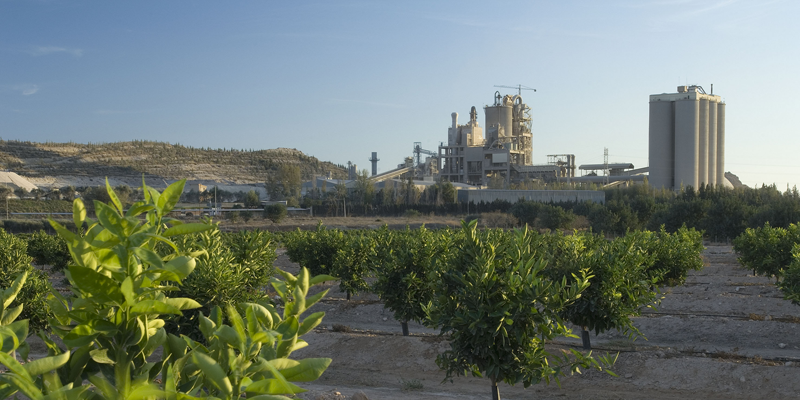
(518, 87)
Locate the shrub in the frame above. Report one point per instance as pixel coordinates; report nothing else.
(675, 254)
(404, 277)
(275, 212)
(790, 282)
(49, 250)
(767, 250)
(498, 220)
(233, 268)
(411, 213)
(14, 260)
(315, 249)
(500, 309)
(119, 285)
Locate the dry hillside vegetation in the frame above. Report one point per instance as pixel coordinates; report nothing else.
(157, 160)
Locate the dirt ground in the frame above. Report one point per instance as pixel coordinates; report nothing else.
(725, 334)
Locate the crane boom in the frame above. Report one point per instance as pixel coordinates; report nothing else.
(518, 87)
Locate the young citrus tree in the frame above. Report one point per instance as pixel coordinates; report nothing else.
(500, 309)
(404, 271)
(112, 325)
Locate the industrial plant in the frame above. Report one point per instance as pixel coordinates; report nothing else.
(686, 148)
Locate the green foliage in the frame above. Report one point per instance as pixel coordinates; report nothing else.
(542, 215)
(767, 250)
(49, 250)
(275, 212)
(790, 281)
(620, 283)
(113, 324)
(233, 268)
(675, 254)
(314, 250)
(352, 263)
(500, 309)
(250, 354)
(404, 269)
(251, 200)
(14, 261)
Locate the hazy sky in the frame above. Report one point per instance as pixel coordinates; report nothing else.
(338, 80)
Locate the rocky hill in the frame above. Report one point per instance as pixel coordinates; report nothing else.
(61, 164)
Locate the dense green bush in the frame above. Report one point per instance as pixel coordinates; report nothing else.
(767, 250)
(675, 254)
(404, 270)
(499, 310)
(14, 260)
(315, 249)
(233, 268)
(790, 281)
(48, 249)
(620, 283)
(275, 212)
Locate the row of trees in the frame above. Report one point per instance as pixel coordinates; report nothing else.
(501, 295)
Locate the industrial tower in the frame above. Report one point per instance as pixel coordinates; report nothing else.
(687, 139)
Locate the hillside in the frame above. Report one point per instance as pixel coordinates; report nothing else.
(54, 164)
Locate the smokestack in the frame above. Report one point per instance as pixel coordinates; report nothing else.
(374, 160)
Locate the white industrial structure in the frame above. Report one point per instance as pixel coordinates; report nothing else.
(687, 139)
(469, 157)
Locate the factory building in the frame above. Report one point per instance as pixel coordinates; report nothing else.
(687, 139)
(471, 157)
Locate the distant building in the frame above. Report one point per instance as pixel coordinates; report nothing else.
(469, 157)
(687, 139)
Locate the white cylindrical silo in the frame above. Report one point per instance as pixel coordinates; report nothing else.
(492, 117)
(712, 142)
(702, 161)
(662, 144)
(506, 117)
(721, 143)
(687, 138)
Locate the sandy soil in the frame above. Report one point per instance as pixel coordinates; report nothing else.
(725, 334)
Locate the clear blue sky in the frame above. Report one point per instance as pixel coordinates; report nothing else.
(338, 80)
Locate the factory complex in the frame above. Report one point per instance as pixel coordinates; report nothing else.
(686, 148)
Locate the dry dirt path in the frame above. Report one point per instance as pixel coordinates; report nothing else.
(724, 334)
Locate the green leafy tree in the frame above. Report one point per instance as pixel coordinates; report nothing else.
(251, 200)
(275, 212)
(621, 282)
(403, 264)
(500, 309)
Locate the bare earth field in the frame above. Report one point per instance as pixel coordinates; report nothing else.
(725, 334)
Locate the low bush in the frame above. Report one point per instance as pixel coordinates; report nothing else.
(767, 250)
(14, 260)
(49, 250)
(275, 212)
(233, 268)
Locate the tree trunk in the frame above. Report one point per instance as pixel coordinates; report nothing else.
(587, 343)
(404, 325)
(348, 296)
(495, 391)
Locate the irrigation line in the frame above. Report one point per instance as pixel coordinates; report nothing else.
(656, 314)
(723, 355)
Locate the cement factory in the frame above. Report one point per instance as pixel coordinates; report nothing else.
(686, 148)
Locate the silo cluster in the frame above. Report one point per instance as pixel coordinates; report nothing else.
(687, 139)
